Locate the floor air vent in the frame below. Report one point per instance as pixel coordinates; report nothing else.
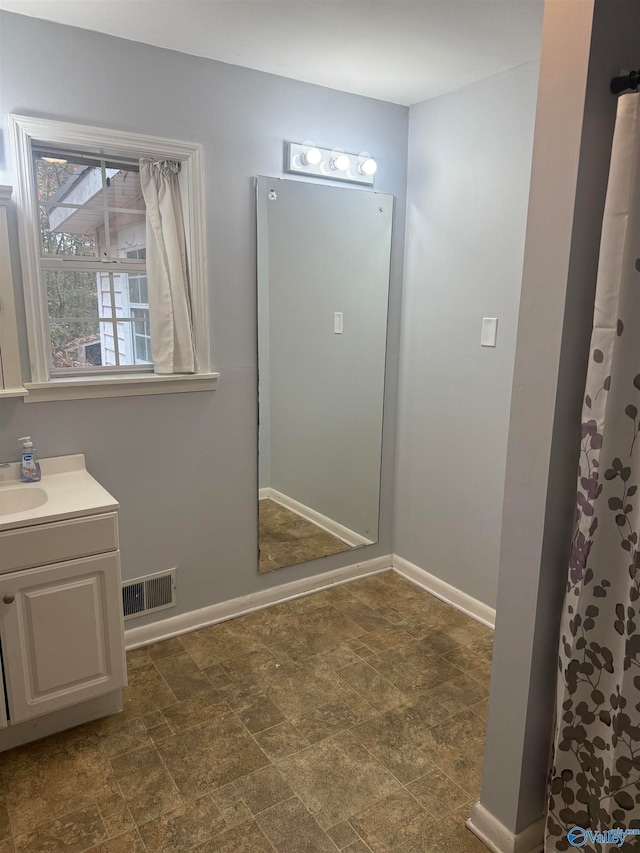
(145, 595)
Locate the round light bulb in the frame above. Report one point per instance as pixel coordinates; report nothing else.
(311, 157)
(368, 166)
(341, 163)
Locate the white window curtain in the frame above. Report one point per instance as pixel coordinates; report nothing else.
(170, 318)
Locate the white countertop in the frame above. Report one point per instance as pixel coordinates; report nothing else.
(71, 492)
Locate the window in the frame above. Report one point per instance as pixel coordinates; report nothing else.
(139, 305)
(82, 223)
(90, 213)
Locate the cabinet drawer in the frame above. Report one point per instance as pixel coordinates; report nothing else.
(43, 544)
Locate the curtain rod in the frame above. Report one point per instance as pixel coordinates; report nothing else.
(629, 81)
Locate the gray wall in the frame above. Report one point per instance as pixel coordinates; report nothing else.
(469, 168)
(584, 45)
(201, 518)
(328, 251)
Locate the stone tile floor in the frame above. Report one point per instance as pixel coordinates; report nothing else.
(287, 539)
(351, 719)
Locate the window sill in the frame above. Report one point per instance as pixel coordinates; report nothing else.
(14, 392)
(129, 385)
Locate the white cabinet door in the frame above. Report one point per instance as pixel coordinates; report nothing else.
(62, 634)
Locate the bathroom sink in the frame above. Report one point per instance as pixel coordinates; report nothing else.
(21, 499)
(66, 491)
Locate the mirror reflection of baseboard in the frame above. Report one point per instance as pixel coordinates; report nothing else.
(291, 532)
(323, 289)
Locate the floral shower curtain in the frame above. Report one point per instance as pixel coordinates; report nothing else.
(595, 781)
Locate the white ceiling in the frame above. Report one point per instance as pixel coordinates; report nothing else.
(395, 50)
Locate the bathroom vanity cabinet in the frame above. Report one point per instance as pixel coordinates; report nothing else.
(61, 626)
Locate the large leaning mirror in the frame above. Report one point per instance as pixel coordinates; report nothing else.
(323, 288)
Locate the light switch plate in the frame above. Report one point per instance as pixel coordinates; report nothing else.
(489, 331)
(337, 323)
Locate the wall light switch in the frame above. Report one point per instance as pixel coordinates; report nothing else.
(489, 331)
(337, 323)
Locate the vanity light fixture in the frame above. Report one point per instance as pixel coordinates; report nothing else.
(308, 159)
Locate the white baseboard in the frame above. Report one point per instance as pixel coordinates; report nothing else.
(499, 839)
(176, 625)
(445, 592)
(181, 624)
(349, 537)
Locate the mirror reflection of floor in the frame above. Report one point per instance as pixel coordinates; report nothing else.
(286, 538)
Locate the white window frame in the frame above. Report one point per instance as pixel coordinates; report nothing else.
(27, 133)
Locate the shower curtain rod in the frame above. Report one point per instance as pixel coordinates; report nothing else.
(629, 81)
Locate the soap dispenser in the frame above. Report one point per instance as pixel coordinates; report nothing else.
(30, 468)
